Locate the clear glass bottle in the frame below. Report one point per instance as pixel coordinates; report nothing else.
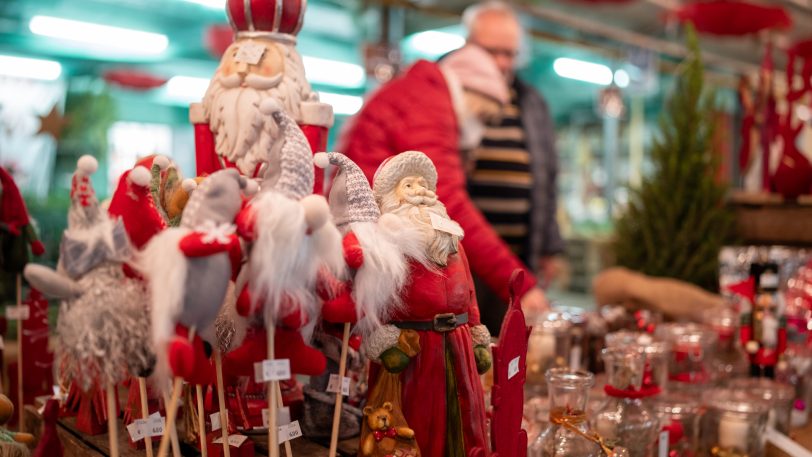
(624, 419)
(564, 437)
(735, 424)
(548, 347)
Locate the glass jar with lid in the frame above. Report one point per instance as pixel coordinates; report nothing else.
(548, 347)
(734, 425)
(690, 348)
(655, 375)
(778, 395)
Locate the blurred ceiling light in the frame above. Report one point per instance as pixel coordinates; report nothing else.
(214, 4)
(334, 72)
(342, 104)
(622, 78)
(23, 67)
(186, 88)
(100, 36)
(435, 43)
(581, 70)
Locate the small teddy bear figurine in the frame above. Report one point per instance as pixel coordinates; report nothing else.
(9, 438)
(385, 439)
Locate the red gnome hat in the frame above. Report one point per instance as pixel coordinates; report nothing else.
(133, 202)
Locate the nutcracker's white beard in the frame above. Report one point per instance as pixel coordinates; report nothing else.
(415, 211)
(244, 135)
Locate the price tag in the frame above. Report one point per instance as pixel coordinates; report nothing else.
(155, 425)
(137, 430)
(215, 422)
(249, 52)
(289, 432)
(445, 224)
(332, 385)
(282, 417)
(513, 367)
(272, 370)
(662, 450)
(233, 440)
(22, 312)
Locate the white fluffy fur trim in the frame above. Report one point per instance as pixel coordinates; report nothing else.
(480, 335)
(197, 115)
(379, 341)
(87, 165)
(162, 161)
(140, 176)
(321, 159)
(165, 267)
(317, 211)
(189, 185)
(317, 113)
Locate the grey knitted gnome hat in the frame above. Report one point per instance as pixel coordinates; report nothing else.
(217, 199)
(292, 172)
(393, 169)
(351, 198)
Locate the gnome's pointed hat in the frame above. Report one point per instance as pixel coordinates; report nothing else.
(351, 198)
(291, 173)
(84, 209)
(134, 203)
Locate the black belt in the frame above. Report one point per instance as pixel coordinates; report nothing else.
(441, 323)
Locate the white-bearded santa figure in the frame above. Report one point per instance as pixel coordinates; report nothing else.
(441, 394)
(263, 63)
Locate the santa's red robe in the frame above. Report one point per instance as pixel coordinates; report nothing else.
(423, 392)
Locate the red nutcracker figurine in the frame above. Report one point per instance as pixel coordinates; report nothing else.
(262, 63)
(764, 328)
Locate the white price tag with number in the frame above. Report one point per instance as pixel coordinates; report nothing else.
(332, 385)
(513, 368)
(662, 449)
(22, 312)
(215, 421)
(282, 416)
(137, 430)
(445, 224)
(155, 425)
(289, 432)
(272, 370)
(233, 440)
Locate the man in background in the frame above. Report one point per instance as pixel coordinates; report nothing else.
(513, 171)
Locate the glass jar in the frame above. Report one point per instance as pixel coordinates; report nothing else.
(690, 346)
(680, 416)
(569, 392)
(735, 424)
(548, 347)
(778, 395)
(729, 360)
(624, 419)
(656, 371)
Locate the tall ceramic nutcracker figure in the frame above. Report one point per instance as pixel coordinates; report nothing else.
(230, 129)
(764, 328)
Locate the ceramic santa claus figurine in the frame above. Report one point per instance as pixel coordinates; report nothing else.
(262, 63)
(441, 393)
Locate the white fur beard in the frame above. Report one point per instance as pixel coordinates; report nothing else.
(284, 261)
(437, 245)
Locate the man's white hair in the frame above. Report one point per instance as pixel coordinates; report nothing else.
(472, 14)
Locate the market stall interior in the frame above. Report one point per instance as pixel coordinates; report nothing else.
(406, 227)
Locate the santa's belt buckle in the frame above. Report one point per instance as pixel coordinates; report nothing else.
(445, 322)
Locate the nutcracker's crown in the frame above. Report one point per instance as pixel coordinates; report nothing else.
(277, 19)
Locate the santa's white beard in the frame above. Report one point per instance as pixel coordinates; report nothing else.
(415, 212)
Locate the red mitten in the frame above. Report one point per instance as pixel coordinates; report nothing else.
(353, 254)
(181, 357)
(244, 303)
(245, 223)
(305, 360)
(37, 248)
(202, 373)
(295, 320)
(340, 308)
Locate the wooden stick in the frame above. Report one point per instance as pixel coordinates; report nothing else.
(273, 433)
(175, 441)
(342, 370)
(112, 420)
(221, 398)
(172, 408)
(288, 449)
(201, 421)
(20, 397)
(142, 389)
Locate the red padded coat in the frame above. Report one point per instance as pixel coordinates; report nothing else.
(415, 112)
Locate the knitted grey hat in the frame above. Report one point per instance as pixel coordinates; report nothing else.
(217, 199)
(393, 169)
(351, 198)
(294, 176)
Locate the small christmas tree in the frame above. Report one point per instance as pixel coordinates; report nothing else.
(677, 222)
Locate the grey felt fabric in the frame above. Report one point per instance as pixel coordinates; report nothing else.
(78, 256)
(351, 198)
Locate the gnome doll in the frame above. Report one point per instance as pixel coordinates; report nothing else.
(379, 268)
(16, 235)
(189, 269)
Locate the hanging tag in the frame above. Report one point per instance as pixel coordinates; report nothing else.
(155, 425)
(249, 52)
(215, 421)
(272, 370)
(662, 450)
(445, 224)
(21, 313)
(332, 385)
(282, 417)
(233, 440)
(289, 432)
(513, 367)
(137, 430)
